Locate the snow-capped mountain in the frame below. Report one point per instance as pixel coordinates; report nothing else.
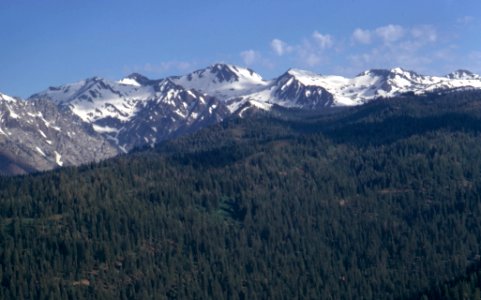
(242, 88)
(223, 81)
(96, 118)
(135, 110)
(294, 89)
(304, 89)
(96, 98)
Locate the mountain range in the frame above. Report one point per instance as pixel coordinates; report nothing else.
(96, 118)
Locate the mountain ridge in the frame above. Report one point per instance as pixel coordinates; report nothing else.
(136, 110)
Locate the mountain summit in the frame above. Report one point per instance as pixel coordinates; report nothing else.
(463, 75)
(223, 81)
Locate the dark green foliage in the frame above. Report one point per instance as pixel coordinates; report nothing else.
(377, 202)
(467, 286)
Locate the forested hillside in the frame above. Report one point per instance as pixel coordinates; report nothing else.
(381, 201)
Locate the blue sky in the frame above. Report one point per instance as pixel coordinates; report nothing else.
(52, 42)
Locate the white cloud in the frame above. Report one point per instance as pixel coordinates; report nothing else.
(425, 33)
(280, 47)
(418, 47)
(309, 52)
(312, 51)
(414, 52)
(390, 33)
(250, 56)
(361, 36)
(323, 40)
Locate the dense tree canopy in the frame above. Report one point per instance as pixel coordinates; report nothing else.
(376, 202)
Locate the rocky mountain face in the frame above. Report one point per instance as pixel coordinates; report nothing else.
(39, 135)
(95, 118)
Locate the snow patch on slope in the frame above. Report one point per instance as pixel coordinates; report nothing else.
(129, 81)
(7, 98)
(40, 151)
(58, 159)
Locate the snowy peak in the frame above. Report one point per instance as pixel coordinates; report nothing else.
(410, 76)
(292, 77)
(300, 73)
(87, 89)
(303, 77)
(375, 72)
(401, 71)
(135, 79)
(392, 74)
(6, 98)
(221, 73)
(222, 81)
(299, 88)
(464, 75)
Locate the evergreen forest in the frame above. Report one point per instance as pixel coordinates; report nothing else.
(381, 201)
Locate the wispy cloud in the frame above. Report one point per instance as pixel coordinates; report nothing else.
(250, 57)
(417, 50)
(423, 48)
(395, 45)
(311, 51)
(308, 52)
(390, 33)
(362, 36)
(323, 40)
(280, 47)
(424, 33)
(394, 33)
